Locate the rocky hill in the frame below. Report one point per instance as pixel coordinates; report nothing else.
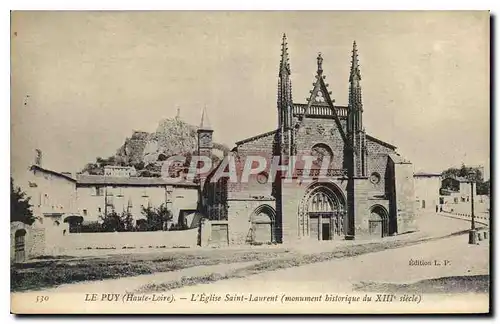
(146, 151)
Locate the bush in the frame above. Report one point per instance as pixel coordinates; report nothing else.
(93, 227)
(157, 218)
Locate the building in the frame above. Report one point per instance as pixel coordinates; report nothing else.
(369, 191)
(119, 171)
(97, 195)
(458, 189)
(53, 200)
(427, 186)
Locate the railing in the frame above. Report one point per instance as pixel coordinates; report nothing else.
(318, 172)
(319, 110)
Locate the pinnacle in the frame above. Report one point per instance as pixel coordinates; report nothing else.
(284, 62)
(355, 72)
(205, 123)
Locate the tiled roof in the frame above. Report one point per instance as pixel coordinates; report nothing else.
(59, 174)
(83, 179)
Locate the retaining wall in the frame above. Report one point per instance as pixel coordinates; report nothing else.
(122, 240)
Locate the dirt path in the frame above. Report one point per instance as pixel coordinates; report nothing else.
(131, 284)
(432, 225)
(389, 266)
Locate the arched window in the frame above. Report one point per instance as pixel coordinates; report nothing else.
(321, 152)
(321, 202)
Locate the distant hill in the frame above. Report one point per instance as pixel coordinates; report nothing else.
(146, 151)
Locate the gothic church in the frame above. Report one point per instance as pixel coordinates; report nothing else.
(368, 190)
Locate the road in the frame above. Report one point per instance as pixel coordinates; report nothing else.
(390, 266)
(447, 257)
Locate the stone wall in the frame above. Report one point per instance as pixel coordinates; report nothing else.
(366, 199)
(239, 213)
(427, 192)
(123, 240)
(374, 147)
(34, 240)
(321, 131)
(405, 197)
(205, 233)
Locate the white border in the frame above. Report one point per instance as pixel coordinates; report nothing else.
(181, 5)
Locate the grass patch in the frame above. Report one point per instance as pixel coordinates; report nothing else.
(184, 281)
(455, 284)
(41, 274)
(50, 272)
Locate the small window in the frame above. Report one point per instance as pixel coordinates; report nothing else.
(99, 209)
(375, 178)
(262, 178)
(98, 191)
(84, 212)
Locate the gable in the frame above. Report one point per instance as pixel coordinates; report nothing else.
(376, 146)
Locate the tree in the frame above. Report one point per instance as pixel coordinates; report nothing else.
(20, 207)
(127, 221)
(112, 222)
(463, 172)
(157, 218)
(482, 187)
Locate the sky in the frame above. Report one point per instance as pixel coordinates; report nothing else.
(81, 82)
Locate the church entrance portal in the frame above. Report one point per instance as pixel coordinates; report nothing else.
(323, 214)
(378, 224)
(262, 225)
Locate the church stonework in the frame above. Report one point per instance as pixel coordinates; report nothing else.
(367, 192)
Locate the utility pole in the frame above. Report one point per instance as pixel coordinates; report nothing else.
(472, 232)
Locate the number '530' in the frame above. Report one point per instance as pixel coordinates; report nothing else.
(41, 299)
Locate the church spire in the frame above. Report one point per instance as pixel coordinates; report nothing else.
(355, 118)
(355, 75)
(285, 102)
(284, 62)
(355, 99)
(284, 88)
(205, 123)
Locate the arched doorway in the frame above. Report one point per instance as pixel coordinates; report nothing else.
(262, 225)
(20, 245)
(322, 212)
(75, 223)
(378, 223)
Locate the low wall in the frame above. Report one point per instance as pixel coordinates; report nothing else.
(34, 240)
(122, 240)
(480, 218)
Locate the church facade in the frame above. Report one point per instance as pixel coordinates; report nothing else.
(366, 189)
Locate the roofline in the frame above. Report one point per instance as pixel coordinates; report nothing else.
(255, 137)
(39, 168)
(110, 181)
(424, 174)
(178, 184)
(371, 138)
